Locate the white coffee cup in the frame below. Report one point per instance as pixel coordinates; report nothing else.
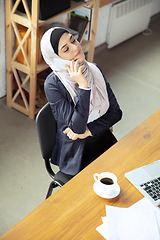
(106, 184)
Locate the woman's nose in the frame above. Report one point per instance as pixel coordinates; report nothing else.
(74, 48)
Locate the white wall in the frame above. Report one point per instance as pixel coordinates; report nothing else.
(2, 51)
(104, 17)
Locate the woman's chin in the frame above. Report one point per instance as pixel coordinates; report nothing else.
(81, 59)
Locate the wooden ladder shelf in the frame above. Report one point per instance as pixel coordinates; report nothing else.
(22, 75)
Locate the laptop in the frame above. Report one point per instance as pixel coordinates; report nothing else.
(147, 180)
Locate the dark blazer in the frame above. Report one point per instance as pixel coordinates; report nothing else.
(67, 153)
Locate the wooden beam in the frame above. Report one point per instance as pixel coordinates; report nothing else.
(105, 2)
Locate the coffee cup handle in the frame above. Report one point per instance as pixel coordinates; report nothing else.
(96, 176)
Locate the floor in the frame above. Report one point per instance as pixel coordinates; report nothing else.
(133, 71)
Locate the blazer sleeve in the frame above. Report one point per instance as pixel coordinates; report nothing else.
(112, 116)
(66, 113)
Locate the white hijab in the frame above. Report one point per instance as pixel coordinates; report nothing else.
(99, 102)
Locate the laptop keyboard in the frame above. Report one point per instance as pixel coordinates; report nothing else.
(152, 188)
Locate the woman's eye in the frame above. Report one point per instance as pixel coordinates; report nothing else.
(72, 41)
(66, 49)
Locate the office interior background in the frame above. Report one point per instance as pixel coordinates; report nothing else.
(131, 68)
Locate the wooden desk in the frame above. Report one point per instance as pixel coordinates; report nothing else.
(74, 211)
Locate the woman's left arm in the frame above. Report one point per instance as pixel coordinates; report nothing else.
(113, 115)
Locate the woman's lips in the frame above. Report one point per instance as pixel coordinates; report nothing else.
(77, 54)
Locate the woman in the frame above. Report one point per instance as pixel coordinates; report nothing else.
(82, 103)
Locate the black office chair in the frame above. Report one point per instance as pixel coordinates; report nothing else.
(46, 128)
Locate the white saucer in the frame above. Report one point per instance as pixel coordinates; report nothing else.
(114, 193)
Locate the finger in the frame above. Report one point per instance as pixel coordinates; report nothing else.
(70, 134)
(68, 68)
(76, 65)
(75, 137)
(72, 65)
(66, 130)
(80, 69)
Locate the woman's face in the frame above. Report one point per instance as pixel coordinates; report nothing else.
(69, 48)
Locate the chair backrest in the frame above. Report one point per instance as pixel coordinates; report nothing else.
(46, 128)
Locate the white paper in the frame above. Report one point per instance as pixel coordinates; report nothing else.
(141, 222)
(146, 204)
(131, 224)
(102, 229)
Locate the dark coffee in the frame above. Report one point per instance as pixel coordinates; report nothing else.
(107, 181)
